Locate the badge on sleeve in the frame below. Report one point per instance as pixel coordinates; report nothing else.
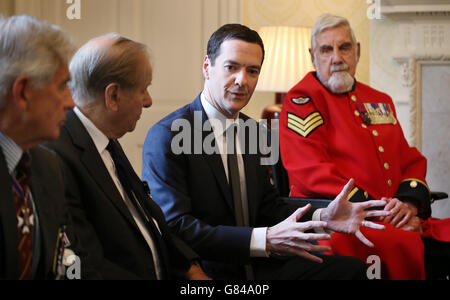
(376, 113)
(306, 126)
(300, 100)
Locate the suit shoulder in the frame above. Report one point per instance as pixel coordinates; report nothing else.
(181, 113)
(161, 133)
(42, 153)
(46, 162)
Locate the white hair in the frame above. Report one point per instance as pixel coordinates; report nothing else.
(326, 21)
(33, 48)
(95, 66)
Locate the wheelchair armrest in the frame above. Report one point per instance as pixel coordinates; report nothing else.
(315, 203)
(438, 196)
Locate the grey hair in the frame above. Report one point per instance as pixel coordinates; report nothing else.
(93, 68)
(326, 21)
(30, 47)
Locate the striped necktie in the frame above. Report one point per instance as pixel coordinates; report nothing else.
(25, 219)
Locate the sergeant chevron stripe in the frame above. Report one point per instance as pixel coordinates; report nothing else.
(304, 127)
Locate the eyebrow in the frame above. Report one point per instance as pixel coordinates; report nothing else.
(238, 64)
(344, 44)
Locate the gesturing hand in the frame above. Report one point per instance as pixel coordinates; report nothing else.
(344, 216)
(288, 238)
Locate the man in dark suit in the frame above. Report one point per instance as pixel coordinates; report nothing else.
(34, 223)
(122, 229)
(221, 201)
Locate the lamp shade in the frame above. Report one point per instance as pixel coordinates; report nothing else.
(287, 58)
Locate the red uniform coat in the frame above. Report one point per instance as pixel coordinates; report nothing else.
(325, 141)
(336, 145)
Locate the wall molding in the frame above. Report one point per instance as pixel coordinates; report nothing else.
(411, 77)
(420, 42)
(426, 8)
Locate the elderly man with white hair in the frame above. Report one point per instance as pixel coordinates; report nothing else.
(34, 224)
(117, 221)
(333, 128)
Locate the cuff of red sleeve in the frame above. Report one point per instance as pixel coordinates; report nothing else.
(358, 195)
(418, 193)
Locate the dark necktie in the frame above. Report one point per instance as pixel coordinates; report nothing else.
(234, 178)
(21, 190)
(125, 175)
(235, 181)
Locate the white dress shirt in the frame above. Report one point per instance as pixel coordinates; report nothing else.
(101, 142)
(220, 124)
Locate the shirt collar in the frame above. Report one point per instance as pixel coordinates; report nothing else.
(13, 153)
(219, 122)
(101, 141)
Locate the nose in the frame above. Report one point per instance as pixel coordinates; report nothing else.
(241, 78)
(337, 57)
(147, 100)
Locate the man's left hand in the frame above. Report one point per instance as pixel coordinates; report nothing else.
(344, 216)
(401, 212)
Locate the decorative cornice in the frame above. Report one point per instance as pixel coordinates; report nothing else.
(427, 8)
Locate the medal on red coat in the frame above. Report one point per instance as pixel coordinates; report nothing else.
(376, 113)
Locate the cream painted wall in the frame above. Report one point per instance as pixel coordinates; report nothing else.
(176, 32)
(6, 7)
(257, 13)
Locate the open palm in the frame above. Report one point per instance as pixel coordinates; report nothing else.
(344, 216)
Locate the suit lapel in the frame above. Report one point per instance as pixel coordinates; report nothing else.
(214, 160)
(8, 252)
(93, 162)
(46, 217)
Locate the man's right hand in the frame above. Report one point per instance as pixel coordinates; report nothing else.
(288, 238)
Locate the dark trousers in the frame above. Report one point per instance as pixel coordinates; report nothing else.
(437, 259)
(298, 268)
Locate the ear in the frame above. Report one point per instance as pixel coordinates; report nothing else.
(206, 66)
(112, 97)
(21, 92)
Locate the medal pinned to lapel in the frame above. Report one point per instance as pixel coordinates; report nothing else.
(301, 100)
(376, 113)
(64, 257)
